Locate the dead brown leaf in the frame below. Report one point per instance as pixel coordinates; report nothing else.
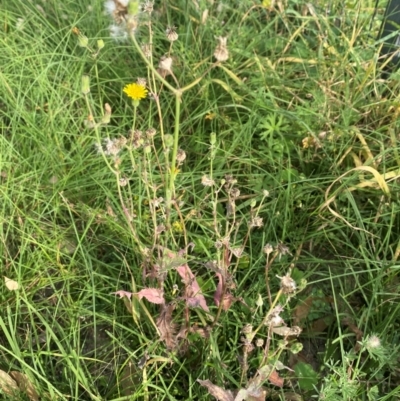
(7, 384)
(153, 295)
(166, 327)
(25, 385)
(227, 298)
(11, 284)
(285, 331)
(219, 393)
(123, 293)
(275, 379)
(194, 295)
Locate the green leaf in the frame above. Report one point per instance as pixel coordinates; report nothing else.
(306, 375)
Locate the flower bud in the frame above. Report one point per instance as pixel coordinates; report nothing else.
(85, 85)
(100, 44)
(83, 40)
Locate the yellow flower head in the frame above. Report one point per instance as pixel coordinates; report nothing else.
(135, 91)
(177, 226)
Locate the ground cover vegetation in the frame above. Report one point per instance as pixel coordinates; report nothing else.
(199, 200)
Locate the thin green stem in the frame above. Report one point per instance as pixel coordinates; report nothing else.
(173, 170)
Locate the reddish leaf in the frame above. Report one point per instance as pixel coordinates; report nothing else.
(217, 392)
(275, 379)
(227, 298)
(194, 294)
(227, 301)
(122, 294)
(153, 295)
(196, 298)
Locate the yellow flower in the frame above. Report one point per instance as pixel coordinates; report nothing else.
(177, 226)
(135, 91)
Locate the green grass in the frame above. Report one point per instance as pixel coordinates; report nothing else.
(299, 109)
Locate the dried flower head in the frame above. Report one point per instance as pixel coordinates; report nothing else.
(112, 146)
(118, 32)
(235, 193)
(247, 329)
(135, 91)
(282, 250)
(218, 244)
(181, 156)
(148, 6)
(110, 6)
(136, 138)
(141, 81)
(256, 221)
(118, 9)
(276, 321)
(207, 181)
(259, 342)
(221, 52)
(157, 202)
(165, 64)
(150, 132)
(288, 285)
(268, 249)
(238, 251)
(172, 36)
(230, 180)
(123, 181)
(373, 342)
(132, 24)
(146, 49)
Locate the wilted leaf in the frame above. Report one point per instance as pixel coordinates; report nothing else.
(196, 298)
(7, 384)
(153, 295)
(194, 294)
(126, 297)
(217, 392)
(11, 284)
(122, 294)
(259, 394)
(275, 379)
(287, 331)
(25, 385)
(256, 382)
(173, 262)
(227, 298)
(242, 395)
(166, 327)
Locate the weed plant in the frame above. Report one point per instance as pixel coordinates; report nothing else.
(199, 200)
